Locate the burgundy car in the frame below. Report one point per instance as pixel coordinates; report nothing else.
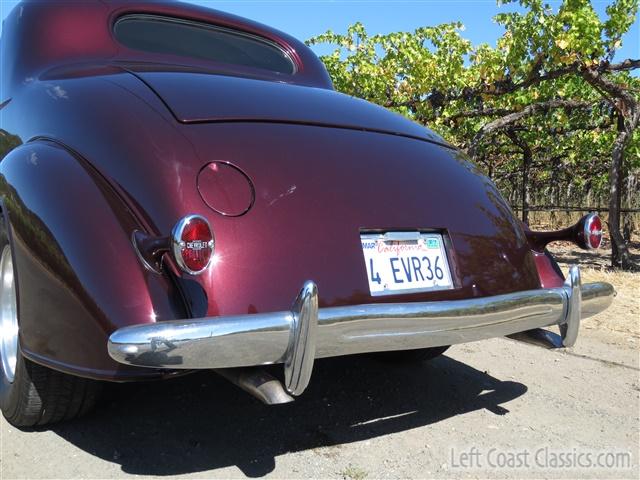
(182, 189)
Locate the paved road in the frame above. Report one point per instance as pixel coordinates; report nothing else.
(363, 419)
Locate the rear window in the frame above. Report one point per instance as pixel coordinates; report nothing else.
(174, 36)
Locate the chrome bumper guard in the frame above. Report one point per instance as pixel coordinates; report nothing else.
(297, 337)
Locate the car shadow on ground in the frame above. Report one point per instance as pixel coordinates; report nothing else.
(201, 422)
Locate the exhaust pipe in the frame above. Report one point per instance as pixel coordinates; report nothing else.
(258, 383)
(539, 337)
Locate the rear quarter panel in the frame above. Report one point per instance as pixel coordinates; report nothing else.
(78, 277)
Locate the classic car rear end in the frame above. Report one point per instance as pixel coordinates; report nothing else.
(170, 209)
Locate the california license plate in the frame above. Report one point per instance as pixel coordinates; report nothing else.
(405, 262)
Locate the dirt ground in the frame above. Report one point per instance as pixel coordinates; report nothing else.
(496, 408)
(624, 314)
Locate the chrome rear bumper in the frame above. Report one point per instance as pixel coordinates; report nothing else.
(295, 338)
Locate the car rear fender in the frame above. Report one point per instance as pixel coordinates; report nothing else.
(79, 278)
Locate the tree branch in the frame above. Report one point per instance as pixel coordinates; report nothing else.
(599, 82)
(486, 112)
(506, 87)
(508, 120)
(628, 64)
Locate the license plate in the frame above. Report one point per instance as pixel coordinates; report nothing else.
(405, 262)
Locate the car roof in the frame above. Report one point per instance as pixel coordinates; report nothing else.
(40, 35)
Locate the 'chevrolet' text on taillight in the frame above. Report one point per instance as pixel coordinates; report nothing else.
(193, 244)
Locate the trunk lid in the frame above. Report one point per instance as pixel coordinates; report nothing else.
(317, 189)
(202, 98)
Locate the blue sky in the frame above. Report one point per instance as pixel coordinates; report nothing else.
(305, 18)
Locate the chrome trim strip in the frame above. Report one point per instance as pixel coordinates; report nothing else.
(297, 337)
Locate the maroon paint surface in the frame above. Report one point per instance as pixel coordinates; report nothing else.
(202, 98)
(101, 145)
(548, 271)
(226, 189)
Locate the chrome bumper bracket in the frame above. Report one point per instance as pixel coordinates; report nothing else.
(573, 287)
(301, 353)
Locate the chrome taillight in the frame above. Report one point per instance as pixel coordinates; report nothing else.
(192, 244)
(592, 231)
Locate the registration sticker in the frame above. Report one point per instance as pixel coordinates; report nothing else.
(433, 243)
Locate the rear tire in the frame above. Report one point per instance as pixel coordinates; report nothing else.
(412, 356)
(41, 396)
(30, 394)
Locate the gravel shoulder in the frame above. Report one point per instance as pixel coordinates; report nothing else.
(364, 419)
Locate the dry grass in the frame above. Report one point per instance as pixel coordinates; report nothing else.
(624, 314)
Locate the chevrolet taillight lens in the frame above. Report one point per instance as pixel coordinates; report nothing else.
(193, 244)
(593, 231)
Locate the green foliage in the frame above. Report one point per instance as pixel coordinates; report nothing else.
(435, 76)
(622, 14)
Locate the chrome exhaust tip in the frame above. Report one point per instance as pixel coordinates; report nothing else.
(539, 337)
(257, 382)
